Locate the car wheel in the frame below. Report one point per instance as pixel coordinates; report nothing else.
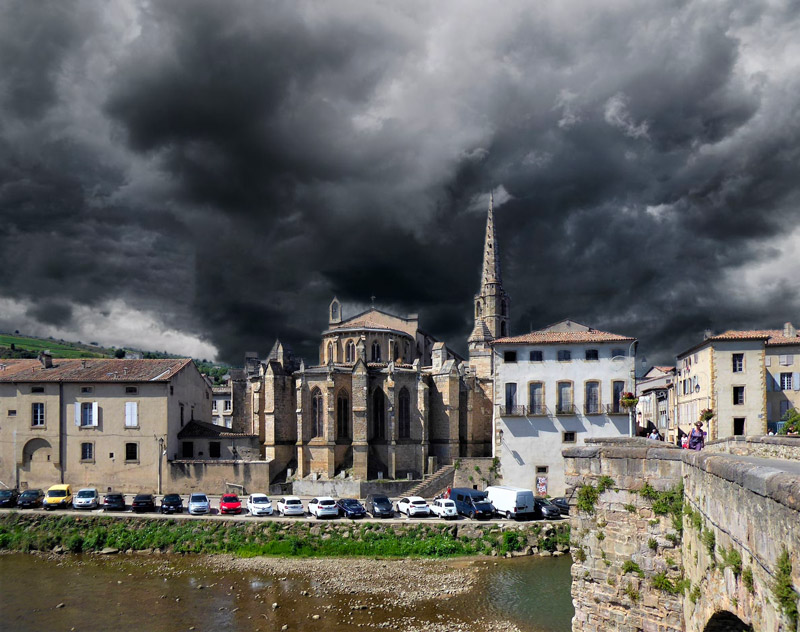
(472, 515)
(508, 515)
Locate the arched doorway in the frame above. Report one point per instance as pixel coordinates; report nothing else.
(37, 464)
(724, 621)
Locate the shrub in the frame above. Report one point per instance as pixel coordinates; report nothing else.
(784, 590)
(733, 559)
(632, 567)
(710, 541)
(660, 581)
(630, 508)
(579, 555)
(632, 593)
(652, 544)
(589, 494)
(747, 580)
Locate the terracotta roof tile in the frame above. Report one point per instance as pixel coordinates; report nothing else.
(563, 337)
(772, 337)
(92, 370)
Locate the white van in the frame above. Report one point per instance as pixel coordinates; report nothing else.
(511, 502)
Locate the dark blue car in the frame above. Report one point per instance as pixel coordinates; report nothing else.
(350, 508)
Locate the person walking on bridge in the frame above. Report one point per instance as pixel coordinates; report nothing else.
(697, 438)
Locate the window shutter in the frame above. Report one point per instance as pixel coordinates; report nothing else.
(77, 413)
(769, 382)
(94, 414)
(796, 381)
(131, 414)
(776, 384)
(790, 359)
(768, 361)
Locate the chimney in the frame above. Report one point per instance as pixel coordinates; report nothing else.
(789, 331)
(46, 359)
(707, 334)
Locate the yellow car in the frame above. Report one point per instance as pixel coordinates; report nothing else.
(58, 497)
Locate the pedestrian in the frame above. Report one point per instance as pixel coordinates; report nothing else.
(685, 442)
(654, 435)
(447, 493)
(697, 439)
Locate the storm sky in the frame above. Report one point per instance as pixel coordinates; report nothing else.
(203, 177)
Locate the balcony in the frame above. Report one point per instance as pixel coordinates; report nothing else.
(615, 409)
(593, 409)
(565, 409)
(537, 410)
(512, 411)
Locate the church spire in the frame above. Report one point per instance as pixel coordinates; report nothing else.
(491, 302)
(491, 258)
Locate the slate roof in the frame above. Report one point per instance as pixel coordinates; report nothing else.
(92, 370)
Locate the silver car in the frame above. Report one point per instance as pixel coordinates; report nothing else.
(198, 504)
(86, 499)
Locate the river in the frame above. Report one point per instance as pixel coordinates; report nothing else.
(172, 593)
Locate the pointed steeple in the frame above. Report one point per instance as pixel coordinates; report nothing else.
(491, 257)
(491, 302)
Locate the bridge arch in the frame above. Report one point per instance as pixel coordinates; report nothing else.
(724, 621)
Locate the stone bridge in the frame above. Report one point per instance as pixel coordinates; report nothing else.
(669, 540)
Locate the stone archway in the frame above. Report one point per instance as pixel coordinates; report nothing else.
(38, 463)
(725, 621)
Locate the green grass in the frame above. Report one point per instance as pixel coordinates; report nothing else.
(32, 532)
(59, 349)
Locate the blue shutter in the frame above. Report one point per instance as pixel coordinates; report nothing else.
(796, 381)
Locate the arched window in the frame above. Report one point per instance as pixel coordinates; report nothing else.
(477, 309)
(317, 413)
(343, 415)
(330, 352)
(334, 310)
(376, 351)
(378, 415)
(404, 414)
(503, 329)
(350, 354)
(504, 308)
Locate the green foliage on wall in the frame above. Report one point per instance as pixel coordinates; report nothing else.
(589, 494)
(784, 590)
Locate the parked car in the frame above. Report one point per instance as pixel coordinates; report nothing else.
(30, 498)
(291, 506)
(114, 501)
(512, 502)
(472, 503)
(172, 503)
(87, 498)
(379, 506)
(230, 503)
(259, 505)
(323, 507)
(413, 506)
(58, 497)
(8, 497)
(562, 502)
(350, 508)
(444, 508)
(143, 502)
(198, 504)
(545, 509)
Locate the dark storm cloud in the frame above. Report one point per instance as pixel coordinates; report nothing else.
(230, 167)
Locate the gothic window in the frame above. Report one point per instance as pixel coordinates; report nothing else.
(378, 415)
(343, 415)
(477, 310)
(404, 414)
(350, 355)
(376, 351)
(317, 412)
(503, 330)
(330, 352)
(504, 308)
(334, 311)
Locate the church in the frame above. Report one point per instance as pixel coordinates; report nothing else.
(385, 400)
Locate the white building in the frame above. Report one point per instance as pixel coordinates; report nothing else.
(557, 387)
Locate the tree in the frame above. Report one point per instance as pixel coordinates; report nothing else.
(119, 353)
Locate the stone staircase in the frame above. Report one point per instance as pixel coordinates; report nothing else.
(437, 482)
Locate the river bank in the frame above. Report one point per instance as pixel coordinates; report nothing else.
(105, 534)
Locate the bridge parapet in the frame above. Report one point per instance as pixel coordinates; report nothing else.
(619, 544)
(675, 540)
(768, 447)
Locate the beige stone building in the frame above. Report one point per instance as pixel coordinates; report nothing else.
(748, 378)
(656, 393)
(385, 399)
(97, 422)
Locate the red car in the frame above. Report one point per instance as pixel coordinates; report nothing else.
(230, 503)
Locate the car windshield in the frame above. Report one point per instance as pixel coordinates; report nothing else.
(114, 496)
(172, 498)
(87, 493)
(293, 502)
(327, 503)
(418, 502)
(260, 500)
(143, 497)
(350, 502)
(381, 501)
(544, 501)
(449, 503)
(57, 493)
(230, 499)
(199, 498)
(5, 493)
(30, 493)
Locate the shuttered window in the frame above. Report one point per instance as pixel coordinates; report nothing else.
(131, 414)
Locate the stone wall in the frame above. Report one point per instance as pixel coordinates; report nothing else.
(185, 477)
(618, 543)
(744, 516)
(765, 446)
(482, 478)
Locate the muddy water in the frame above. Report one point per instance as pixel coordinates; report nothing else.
(88, 593)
